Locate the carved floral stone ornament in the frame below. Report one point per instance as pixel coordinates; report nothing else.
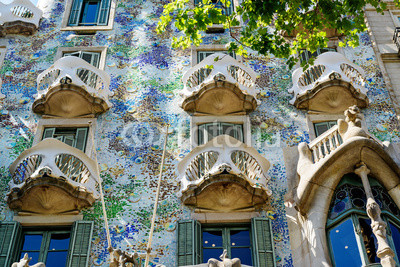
(225, 262)
(24, 262)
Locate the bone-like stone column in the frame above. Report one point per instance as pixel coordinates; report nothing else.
(385, 253)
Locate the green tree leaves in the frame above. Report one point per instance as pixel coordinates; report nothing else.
(279, 27)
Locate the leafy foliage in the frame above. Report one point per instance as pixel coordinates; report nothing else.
(279, 27)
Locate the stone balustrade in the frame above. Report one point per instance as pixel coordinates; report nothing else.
(82, 88)
(342, 81)
(325, 144)
(52, 163)
(223, 154)
(19, 17)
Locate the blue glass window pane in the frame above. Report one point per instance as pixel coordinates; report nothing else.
(59, 241)
(396, 238)
(32, 242)
(244, 254)
(33, 255)
(212, 239)
(211, 253)
(56, 259)
(344, 245)
(240, 238)
(90, 12)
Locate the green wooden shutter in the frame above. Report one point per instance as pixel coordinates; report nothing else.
(263, 242)
(189, 242)
(81, 240)
(48, 133)
(10, 233)
(81, 136)
(104, 12)
(75, 13)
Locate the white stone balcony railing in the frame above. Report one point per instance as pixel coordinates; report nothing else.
(62, 160)
(330, 69)
(19, 11)
(53, 163)
(223, 154)
(70, 74)
(219, 85)
(74, 70)
(325, 144)
(226, 68)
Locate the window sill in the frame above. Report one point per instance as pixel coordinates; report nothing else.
(87, 29)
(219, 28)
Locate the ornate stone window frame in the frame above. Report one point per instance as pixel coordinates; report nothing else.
(88, 29)
(65, 122)
(195, 121)
(99, 49)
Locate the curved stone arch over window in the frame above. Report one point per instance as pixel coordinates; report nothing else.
(350, 236)
(320, 168)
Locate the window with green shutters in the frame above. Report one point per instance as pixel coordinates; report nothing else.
(263, 242)
(10, 233)
(93, 58)
(79, 250)
(208, 131)
(321, 127)
(306, 55)
(75, 137)
(189, 238)
(202, 54)
(89, 13)
(225, 10)
(252, 243)
(55, 246)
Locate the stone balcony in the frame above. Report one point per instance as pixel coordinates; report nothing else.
(331, 85)
(219, 85)
(224, 175)
(71, 87)
(19, 17)
(52, 178)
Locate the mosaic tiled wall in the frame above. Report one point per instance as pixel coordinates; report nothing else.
(146, 78)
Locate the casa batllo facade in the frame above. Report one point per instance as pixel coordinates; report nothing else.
(266, 164)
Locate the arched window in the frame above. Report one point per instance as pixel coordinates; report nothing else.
(350, 237)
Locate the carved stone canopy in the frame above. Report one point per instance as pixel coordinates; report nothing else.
(225, 193)
(69, 101)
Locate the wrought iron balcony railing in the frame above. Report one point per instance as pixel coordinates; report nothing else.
(19, 17)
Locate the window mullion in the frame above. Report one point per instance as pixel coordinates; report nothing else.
(359, 239)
